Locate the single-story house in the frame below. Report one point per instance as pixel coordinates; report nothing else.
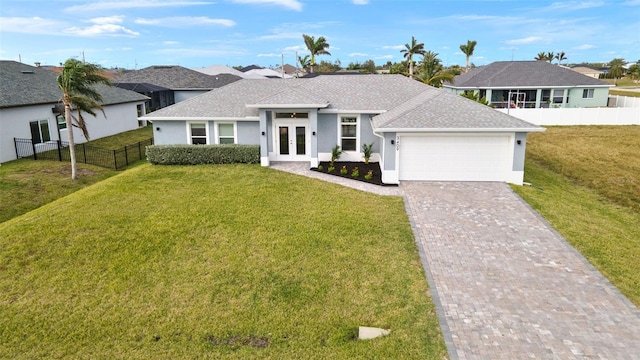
(30, 108)
(532, 84)
(223, 69)
(418, 132)
(584, 70)
(184, 83)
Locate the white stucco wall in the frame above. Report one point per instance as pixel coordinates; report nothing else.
(577, 116)
(14, 123)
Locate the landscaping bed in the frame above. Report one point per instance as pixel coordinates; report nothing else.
(362, 171)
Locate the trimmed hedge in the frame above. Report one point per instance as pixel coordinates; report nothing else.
(202, 154)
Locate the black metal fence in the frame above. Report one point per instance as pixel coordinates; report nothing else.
(59, 151)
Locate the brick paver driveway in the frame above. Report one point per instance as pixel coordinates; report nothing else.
(507, 286)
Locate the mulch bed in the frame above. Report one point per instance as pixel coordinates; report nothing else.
(363, 169)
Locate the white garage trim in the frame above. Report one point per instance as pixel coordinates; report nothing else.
(455, 157)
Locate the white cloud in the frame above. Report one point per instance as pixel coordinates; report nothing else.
(117, 19)
(294, 48)
(527, 40)
(171, 42)
(200, 52)
(383, 57)
(360, 2)
(185, 21)
(584, 47)
(116, 5)
(102, 30)
(357, 54)
(289, 4)
(269, 55)
(34, 25)
(393, 47)
(575, 5)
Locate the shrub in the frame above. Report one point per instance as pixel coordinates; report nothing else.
(367, 150)
(344, 170)
(369, 175)
(355, 173)
(320, 167)
(202, 154)
(335, 154)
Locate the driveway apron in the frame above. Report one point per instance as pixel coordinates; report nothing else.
(507, 286)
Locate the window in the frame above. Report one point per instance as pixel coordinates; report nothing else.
(40, 131)
(226, 134)
(558, 94)
(587, 93)
(62, 124)
(349, 133)
(198, 133)
(140, 109)
(291, 115)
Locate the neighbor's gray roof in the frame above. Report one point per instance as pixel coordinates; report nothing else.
(402, 102)
(223, 69)
(23, 85)
(532, 74)
(176, 78)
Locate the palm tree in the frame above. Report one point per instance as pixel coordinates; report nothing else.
(616, 69)
(468, 50)
(316, 47)
(542, 56)
(550, 56)
(560, 56)
(304, 62)
(432, 72)
(78, 94)
(413, 49)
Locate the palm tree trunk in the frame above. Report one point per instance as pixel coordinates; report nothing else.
(467, 68)
(410, 68)
(72, 147)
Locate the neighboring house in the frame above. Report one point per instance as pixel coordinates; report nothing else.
(255, 71)
(418, 132)
(222, 69)
(184, 83)
(30, 108)
(159, 96)
(587, 71)
(532, 84)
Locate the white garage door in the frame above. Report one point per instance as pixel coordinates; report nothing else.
(455, 157)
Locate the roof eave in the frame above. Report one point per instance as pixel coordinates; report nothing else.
(200, 118)
(459, 130)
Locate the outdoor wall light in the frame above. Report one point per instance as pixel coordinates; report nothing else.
(519, 142)
(263, 133)
(393, 142)
(314, 133)
(158, 128)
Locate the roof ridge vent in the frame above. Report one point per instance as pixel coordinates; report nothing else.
(27, 71)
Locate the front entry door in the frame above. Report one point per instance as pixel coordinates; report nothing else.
(292, 143)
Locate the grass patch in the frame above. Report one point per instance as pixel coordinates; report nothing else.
(27, 184)
(211, 261)
(602, 158)
(608, 235)
(624, 93)
(118, 141)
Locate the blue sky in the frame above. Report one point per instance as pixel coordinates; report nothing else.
(198, 33)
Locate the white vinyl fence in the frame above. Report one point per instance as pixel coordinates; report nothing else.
(578, 116)
(623, 101)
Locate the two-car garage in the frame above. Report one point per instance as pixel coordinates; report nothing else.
(455, 156)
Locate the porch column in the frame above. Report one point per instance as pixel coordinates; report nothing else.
(538, 98)
(264, 133)
(313, 128)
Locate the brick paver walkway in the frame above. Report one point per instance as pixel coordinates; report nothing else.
(507, 285)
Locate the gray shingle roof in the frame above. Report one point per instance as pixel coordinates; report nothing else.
(176, 78)
(522, 74)
(22, 85)
(441, 109)
(403, 103)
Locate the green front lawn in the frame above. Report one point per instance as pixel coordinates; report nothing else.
(216, 261)
(118, 141)
(26, 184)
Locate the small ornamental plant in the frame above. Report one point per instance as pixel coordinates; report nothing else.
(367, 150)
(344, 170)
(320, 167)
(355, 173)
(369, 175)
(331, 168)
